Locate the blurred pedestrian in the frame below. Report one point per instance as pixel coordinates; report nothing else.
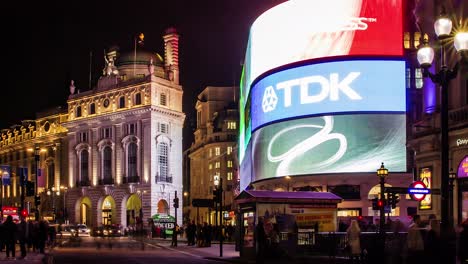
(260, 239)
(9, 231)
(432, 242)
(463, 243)
(354, 241)
(415, 241)
(42, 236)
(23, 234)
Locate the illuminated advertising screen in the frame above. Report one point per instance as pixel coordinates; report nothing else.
(299, 30)
(463, 168)
(329, 144)
(331, 87)
(425, 175)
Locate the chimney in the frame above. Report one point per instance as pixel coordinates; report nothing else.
(171, 54)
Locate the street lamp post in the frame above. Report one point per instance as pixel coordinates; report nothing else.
(425, 56)
(65, 213)
(218, 182)
(382, 172)
(452, 178)
(36, 193)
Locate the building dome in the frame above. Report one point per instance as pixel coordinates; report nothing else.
(142, 58)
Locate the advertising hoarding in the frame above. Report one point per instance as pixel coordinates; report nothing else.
(328, 144)
(425, 175)
(463, 168)
(326, 88)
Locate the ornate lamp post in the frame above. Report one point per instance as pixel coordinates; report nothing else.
(37, 152)
(452, 179)
(382, 173)
(443, 29)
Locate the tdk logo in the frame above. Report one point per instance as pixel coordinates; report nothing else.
(329, 88)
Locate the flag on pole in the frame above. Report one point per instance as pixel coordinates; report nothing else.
(5, 173)
(41, 177)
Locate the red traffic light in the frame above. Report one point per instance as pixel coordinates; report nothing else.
(380, 203)
(24, 213)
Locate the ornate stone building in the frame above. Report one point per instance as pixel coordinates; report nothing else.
(125, 139)
(214, 152)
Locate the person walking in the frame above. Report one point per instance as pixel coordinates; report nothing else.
(432, 242)
(415, 242)
(23, 234)
(354, 241)
(9, 231)
(463, 243)
(260, 239)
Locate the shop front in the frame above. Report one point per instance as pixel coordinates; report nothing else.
(297, 215)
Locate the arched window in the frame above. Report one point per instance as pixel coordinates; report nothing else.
(122, 102)
(78, 111)
(163, 151)
(138, 99)
(84, 165)
(107, 163)
(132, 160)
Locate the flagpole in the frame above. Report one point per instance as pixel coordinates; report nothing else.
(90, 60)
(134, 59)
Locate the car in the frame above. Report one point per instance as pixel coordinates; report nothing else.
(83, 230)
(68, 231)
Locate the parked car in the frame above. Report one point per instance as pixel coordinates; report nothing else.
(68, 231)
(108, 231)
(83, 230)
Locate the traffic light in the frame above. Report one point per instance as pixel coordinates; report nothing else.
(24, 213)
(375, 205)
(37, 200)
(393, 199)
(380, 204)
(217, 195)
(29, 188)
(176, 202)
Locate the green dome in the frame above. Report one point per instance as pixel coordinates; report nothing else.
(142, 58)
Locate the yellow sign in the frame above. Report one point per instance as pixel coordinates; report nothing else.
(425, 175)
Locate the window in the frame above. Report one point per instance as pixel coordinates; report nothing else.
(92, 109)
(217, 165)
(210, 166)
(408, 78)
(199, 119)
(163, 99)
(231, 125)
(217, 138)
(164, 128)
(229, 176)
(217, 151)
(131, 129)
(123, 77)
(84, 165)
(107, 162)
(50, 175)
(78, 111)
(106, 132)
(417, 39)
(210, 153)
(229, 150)
(83, 137)
(418, 78)
(163, 161)
(229, 163)
(132, 160)
(407, 40)
(232, 137)
(138, 99)
(140, 76)
(122, 102)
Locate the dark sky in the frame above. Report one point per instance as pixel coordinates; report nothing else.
(52, 41)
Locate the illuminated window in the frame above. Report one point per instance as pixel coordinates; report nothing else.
(229, 150)
(229, 176)
(418, 78)
(92, 109)
(407, 40)
(140, 76)
(107, 163)
(210, 166)
(163, 161)
(231, 125)
(163, 99)
(229, 163)
(417, 39)
(217, 165)
(138, 99)
(408, 78)
(210, 153)
(217, 151)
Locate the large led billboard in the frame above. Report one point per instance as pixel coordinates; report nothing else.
(301, 30)
(327, 88)
(328, 144)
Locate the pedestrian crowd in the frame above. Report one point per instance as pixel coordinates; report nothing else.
(32, 236)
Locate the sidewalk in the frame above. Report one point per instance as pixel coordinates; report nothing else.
(31, 257)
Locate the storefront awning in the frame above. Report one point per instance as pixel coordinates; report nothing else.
(281, 197)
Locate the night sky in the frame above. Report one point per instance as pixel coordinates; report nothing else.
(51, 45)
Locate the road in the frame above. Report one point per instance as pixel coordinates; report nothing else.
(120, 250)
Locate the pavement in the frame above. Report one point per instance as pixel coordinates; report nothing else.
(31, 257)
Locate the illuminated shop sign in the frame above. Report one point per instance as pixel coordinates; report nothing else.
(332, 87)
(425, 176)
(463, 168)
(327, 144)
